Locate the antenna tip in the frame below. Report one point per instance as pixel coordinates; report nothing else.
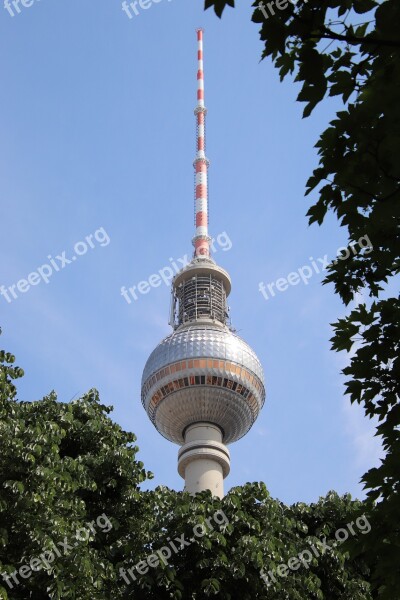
(199, 31)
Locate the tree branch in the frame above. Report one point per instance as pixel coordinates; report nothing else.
(351, 39)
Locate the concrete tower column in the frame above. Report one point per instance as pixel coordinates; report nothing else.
(204, 461)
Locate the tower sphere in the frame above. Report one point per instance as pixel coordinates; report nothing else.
(203, 372)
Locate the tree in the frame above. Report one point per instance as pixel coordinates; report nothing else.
(70, 500)
(69, 495)
(351, 48)
(241, 547)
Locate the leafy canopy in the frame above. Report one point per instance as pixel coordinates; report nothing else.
(351, 49)
(64, 465)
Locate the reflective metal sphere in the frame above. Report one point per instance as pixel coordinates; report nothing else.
(203, 373)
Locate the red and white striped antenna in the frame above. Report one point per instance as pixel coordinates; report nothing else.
(201, 240)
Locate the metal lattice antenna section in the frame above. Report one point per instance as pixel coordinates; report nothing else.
(201, 240)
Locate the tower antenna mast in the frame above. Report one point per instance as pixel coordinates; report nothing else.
(201, 240)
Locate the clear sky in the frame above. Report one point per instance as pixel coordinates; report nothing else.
(97, 139)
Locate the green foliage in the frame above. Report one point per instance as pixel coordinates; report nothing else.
(61, 467)
(259, 534)
(374, 371)
(64, 465)
(351, 49)
(219, 5)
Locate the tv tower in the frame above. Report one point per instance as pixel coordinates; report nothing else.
(202, 386)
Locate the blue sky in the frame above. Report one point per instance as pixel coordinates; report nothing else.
(97, 132)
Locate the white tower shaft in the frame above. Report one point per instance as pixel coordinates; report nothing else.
(204, 461)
